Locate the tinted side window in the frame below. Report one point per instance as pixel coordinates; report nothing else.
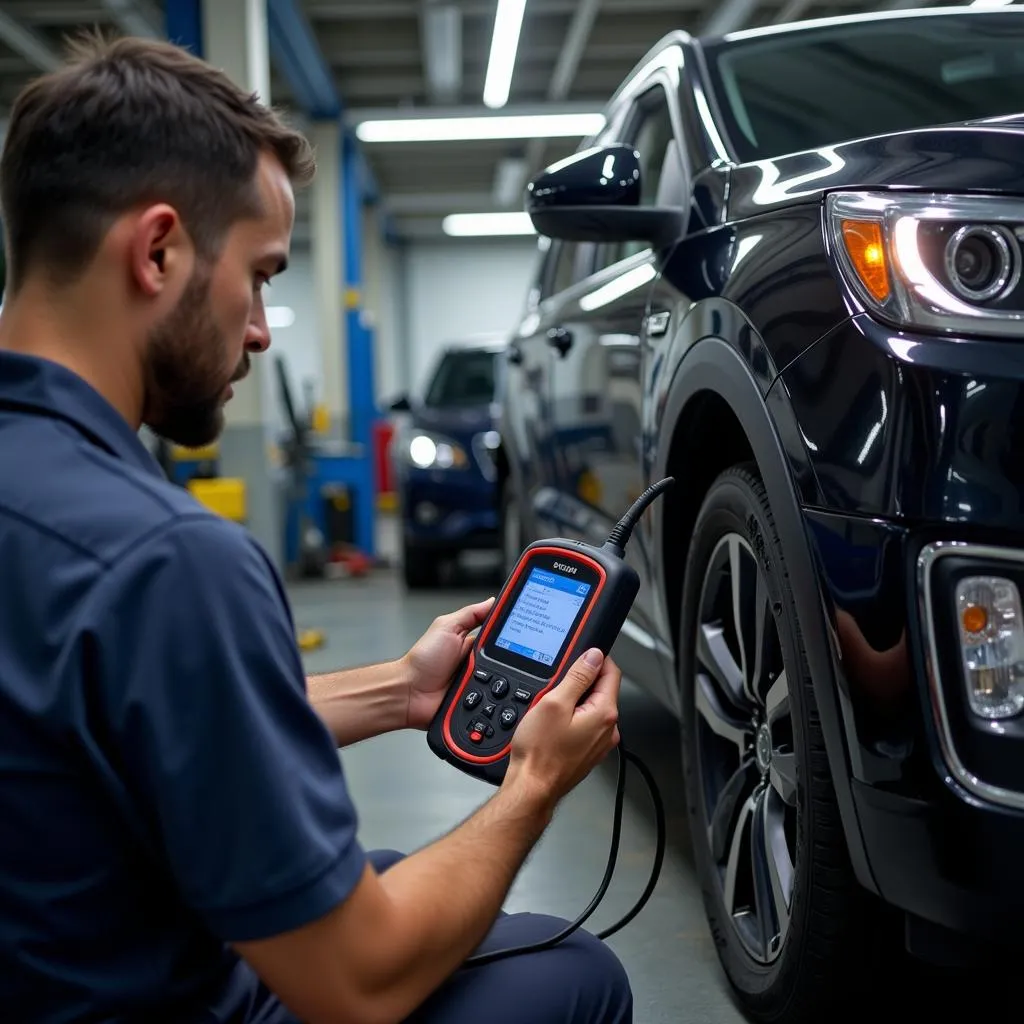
(571, 265)
(650, 132)
(564, 264)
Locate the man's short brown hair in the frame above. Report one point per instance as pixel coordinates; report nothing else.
(123, 123)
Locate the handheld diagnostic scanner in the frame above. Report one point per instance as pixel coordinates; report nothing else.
(562, 598)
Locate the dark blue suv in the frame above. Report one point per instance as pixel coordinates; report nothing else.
(443, 453)
(789, 272)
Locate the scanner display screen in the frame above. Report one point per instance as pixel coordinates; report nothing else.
(542, 616)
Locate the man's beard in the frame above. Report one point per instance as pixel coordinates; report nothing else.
(184, 376)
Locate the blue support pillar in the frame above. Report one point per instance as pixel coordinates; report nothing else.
(183, 20)
(361, 383)
(294, 49)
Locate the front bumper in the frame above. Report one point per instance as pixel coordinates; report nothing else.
(938, 793)
(974, 824)
(951, 853)
(951, 860)
(444, 510)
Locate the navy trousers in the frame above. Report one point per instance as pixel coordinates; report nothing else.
(579, 981)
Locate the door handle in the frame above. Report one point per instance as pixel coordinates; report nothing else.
(657, 324)
(560, 338)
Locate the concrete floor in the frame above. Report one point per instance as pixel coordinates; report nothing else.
(407, 798)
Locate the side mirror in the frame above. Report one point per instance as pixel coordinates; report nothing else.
(594, 196)
(401, 404)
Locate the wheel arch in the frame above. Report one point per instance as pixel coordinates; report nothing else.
(715, 416)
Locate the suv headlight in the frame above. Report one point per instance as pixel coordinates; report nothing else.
(932, 262)
(427, 450)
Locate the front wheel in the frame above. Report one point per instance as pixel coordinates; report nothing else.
(781, 899)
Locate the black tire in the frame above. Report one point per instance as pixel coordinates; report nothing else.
(420, 569)
(782, 805)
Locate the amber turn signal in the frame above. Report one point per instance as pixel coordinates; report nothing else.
(974, 618)
(866, 249)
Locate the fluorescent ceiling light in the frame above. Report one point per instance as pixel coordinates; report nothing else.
(468, 129)
(504, 43)
(991, 3)
(279, 316)
(464, 225)
(509, 179)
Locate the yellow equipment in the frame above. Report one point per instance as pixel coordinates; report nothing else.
(223, 495)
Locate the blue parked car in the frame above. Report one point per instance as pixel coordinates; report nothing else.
(443, 452)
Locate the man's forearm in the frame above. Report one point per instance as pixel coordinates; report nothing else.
(358, 703)
(447, 895)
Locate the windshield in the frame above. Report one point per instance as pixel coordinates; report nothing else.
(462, 379)
(817, 87)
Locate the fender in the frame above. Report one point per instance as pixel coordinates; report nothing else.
(713, 365)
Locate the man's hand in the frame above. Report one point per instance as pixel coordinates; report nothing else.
(431, 663)
(563, 737)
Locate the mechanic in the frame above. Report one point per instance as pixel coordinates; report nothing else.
(178, 843)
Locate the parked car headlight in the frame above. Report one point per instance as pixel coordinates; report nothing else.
(427, 450)
(942, 263)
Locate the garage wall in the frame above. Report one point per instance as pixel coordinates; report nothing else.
(462, 288)
(417, 299)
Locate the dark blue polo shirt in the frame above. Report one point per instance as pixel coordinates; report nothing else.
(165, 787)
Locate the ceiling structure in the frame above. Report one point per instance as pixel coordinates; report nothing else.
(428, 57)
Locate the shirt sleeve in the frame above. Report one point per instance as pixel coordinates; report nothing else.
(192, 651)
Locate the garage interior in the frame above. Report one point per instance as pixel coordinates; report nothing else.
(401, 249)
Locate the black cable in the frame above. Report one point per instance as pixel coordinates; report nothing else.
(659, 850)
(623, 529)
(620, 799)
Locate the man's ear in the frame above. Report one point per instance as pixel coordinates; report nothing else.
(162, 254)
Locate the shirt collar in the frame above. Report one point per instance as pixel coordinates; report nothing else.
(44, 388)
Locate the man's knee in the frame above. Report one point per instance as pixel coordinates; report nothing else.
(579, 981)
(583, 977)
(600, 975)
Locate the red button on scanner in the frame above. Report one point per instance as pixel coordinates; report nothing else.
(475, 736)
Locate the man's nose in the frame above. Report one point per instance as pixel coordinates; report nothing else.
(257, 336)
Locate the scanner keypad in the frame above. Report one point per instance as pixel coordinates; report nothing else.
(491, 707)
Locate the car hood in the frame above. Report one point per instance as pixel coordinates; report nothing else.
(970, 156)
(459, 424)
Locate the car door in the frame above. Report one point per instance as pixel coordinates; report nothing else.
(527, 414)
(596, 382)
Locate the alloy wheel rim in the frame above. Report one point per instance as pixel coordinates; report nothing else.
(745, 752)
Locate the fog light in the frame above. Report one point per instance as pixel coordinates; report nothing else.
(427, 513)
(992, 645)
